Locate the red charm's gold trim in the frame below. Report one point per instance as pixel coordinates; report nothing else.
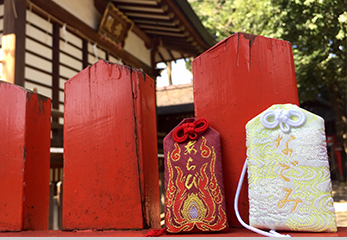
(216, 192)
(171, 189)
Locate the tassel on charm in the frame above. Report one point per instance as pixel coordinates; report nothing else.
(155, 233)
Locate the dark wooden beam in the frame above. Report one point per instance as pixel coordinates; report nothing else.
(182, 49)
(180, 45)
(151, 15)
(172, 57)
(13, 43)
(100, 5)
(57, 133)
(31, 65)
(161, 56)
(83, 30)
(57, 143)
(37, 83)
(85, 53)
(172, 7)
(125, 5)
(55, 67)
(57, 160)
(154, 50)
(159, 28)
(163, 22)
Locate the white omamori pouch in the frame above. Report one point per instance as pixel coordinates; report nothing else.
(289, 185)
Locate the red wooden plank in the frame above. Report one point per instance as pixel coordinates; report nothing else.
(110, 166)
(233, 82)
(24, 152)
(145, 112)
(233, 232)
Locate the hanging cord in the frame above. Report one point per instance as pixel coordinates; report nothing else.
(272, 233)
(64, 33)
(95, 51)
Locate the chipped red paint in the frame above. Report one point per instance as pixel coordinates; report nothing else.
(233, 82)
(110, 150)
(24, 159)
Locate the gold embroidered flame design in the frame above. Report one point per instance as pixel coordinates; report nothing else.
(205, 150)
(176, 154)
(193, 200)
(216, 191)
(170, 191)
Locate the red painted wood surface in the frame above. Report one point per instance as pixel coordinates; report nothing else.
(233, 232)
(110, 150)
(233, 82)
(24, 159)
(146, 130)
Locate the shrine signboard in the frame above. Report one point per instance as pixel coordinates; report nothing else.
(115, 26)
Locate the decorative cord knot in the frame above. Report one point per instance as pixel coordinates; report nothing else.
(283, 118)
(190, 130)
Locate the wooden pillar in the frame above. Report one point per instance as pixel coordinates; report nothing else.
(154, 50)
(55, 67)
(110, 147)
(233, 82)
(24, 159)
(85, 62)
(57, 133)
(13, 41)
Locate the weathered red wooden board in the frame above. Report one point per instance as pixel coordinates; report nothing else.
(110, 150)
(233, 82)
(24, 159)
(146, 130)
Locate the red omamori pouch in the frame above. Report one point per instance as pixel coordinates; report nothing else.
(194, 189)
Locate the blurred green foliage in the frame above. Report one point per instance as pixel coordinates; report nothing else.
(317, 30)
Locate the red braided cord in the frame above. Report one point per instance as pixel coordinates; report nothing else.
(204, 127)
(190, 130)
(178, 138)
(155, 233)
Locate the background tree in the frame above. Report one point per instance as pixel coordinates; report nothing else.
(317, 30)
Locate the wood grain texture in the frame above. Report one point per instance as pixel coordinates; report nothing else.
(145, 112)
(108, 157)
(233, 82)
(24, 159)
